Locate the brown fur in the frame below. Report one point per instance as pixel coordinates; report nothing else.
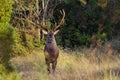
(51, 51)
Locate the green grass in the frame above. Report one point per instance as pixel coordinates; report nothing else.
(72, 66)
(8, 75)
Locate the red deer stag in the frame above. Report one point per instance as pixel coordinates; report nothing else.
(51, 50)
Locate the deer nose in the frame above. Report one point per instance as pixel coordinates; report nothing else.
(50, 40)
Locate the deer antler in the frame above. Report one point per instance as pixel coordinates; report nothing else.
(62, 20)
(45, 28)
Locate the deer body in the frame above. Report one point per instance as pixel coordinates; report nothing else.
(51, 52)
(51, 49)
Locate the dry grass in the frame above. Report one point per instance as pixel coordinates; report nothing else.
(72, 66)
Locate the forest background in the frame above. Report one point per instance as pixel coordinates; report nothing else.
(86, 23)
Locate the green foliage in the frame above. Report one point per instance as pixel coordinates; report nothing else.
(68, 1)
(27, 34)
(38, 43)
(6, 32)
(5, 14)
(24, 43)
(5, 10)
(29, 41)
(6, 41)
(18, 50)
(18, 47)
(81, 22)
(5, 75)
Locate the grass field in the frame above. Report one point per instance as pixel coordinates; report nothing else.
(78, 65)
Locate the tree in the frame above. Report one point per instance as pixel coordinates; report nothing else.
(82, 22)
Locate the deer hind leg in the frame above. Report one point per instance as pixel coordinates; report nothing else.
(54, 66)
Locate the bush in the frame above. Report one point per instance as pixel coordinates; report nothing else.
(6, 41)
(4, 75)
(6, 30)
(18, 46)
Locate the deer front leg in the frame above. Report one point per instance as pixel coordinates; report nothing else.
(48, 65)
(54, 66)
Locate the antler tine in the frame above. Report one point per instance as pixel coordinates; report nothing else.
(44, 27)
(62, 20)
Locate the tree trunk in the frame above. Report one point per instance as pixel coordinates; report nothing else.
(45, 7)
(38, 13)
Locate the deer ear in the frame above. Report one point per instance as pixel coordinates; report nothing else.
(45, 32)
(56, 32)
